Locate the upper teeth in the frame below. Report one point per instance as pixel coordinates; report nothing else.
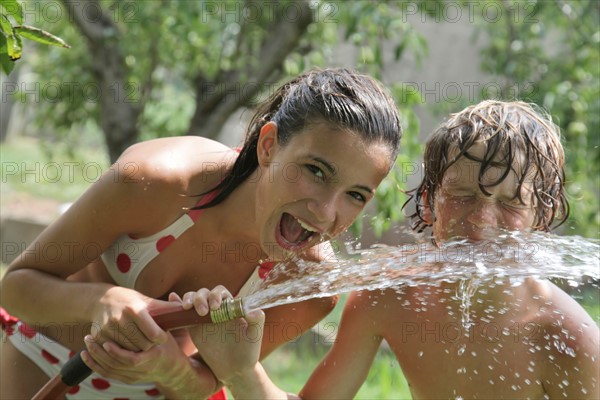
(308, 228)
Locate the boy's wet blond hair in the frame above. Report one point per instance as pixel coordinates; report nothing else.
(514, 133)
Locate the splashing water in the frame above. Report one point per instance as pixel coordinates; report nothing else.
(513, 255)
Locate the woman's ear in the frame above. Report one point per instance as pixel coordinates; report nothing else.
(426, 212)
(267, 143)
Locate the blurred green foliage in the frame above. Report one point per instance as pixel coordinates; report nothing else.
(545, 52)
(12, 32)
(548, 53)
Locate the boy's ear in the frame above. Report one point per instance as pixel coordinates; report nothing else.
(426, 210)
(267, 143)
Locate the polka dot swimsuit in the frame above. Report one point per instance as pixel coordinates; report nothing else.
(127, 257)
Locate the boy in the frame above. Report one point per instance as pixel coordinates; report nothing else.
(493, 166)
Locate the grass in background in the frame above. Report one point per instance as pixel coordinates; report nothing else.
(291, 365)
(55, 174)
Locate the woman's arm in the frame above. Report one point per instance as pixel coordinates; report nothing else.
(43, 272)
(126, 200)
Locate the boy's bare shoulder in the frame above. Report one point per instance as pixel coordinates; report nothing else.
(556, 311)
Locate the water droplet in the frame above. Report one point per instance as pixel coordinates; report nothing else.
(461, 349)
(420, 354)
(502, 378)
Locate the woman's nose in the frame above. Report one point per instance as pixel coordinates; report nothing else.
(324, 209)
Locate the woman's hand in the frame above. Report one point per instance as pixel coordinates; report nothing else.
(231, 348)
(125, 343)
(156, 364)
(122, 317)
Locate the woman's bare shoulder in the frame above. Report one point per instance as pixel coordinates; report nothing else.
(154, 181)
(184, 163)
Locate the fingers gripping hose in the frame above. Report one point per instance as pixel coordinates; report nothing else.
(75, 371)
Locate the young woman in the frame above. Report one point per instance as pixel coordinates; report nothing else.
(178, 214)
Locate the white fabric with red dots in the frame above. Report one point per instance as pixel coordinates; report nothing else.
(50, 356)
(127, 257)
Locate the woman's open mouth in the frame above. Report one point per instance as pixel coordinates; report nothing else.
(292, 233)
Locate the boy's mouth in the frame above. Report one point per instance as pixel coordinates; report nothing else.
(293, 233)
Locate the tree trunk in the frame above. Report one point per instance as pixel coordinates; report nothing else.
(119, 112)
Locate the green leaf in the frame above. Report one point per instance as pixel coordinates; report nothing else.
(12, 8)
(5, 61)
(399, 50)
(13, 47)
(41, 36)
(5, 25)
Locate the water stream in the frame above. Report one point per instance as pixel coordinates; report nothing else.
(458, 281)
(513, 255)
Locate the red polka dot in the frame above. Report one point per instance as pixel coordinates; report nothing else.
(71, 354)
(7, 321)
(164, 242)
(100, 384)
(123, 262)
(195, 214)
(153, 392)
(220, 395)
(73, 390)
(27, 331)
(264, 269)
(49, 357)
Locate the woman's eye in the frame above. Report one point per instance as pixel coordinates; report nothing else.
(358, 196)
(316, 171)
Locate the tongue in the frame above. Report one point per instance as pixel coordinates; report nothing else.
(290, 228)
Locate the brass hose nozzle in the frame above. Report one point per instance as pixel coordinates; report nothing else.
(230, 309)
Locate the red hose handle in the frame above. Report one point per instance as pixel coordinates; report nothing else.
(75, 371)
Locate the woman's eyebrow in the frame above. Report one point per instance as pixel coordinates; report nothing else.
(330, 167)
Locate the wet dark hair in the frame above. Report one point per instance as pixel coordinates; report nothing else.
(340, 97)
(518, 137)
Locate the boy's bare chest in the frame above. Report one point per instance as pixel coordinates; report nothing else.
(442, 356)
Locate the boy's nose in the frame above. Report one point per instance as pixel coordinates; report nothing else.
(484, 215)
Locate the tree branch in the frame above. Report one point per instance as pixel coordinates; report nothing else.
(213, 109)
